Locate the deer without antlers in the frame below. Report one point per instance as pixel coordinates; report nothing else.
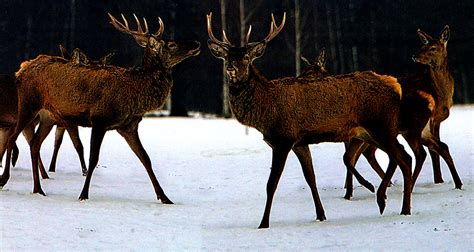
(426, 100)
(333, 109)
(104, 98)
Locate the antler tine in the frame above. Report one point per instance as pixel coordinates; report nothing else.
(305, 60)
(248, 35)
(146, 25)
(125, 20)
(139, 26)
(125, 28)
(161, 29)
(274, 29)
(211, 34)
(224, 37)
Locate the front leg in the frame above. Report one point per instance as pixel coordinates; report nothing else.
(304, 156)
(131, 136)
(279, 156)
(437, 176)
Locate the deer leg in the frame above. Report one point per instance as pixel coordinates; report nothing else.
(369, 154)
(414, 141)
(398, 156)
(437, 176)
(97, 136)
(133, 140)
(29, 132)
(58, 139)
(304, 156)
(443, 149)
(279, 156)
(76, 141)
(3, 143)
(35, 146)
(382, 190)
(15, 154)
(24, 118)
(351, 155)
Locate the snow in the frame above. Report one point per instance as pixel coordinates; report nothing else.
(216, 175)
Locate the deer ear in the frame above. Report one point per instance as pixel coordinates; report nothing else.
(322, 58)
(256, 50)
(425, 38)
(217, 50)
(444, 35)
(305, 60)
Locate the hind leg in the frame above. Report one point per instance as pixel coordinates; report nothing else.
(58, 139)
(398, 156)
(29, 132)
(353, 151)
(73, 132)
(25, 116)
(414, 140)
(443, 150)
(3, 143)
(44, 128)
(97, 136)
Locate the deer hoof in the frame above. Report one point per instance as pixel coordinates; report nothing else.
(381, 203)
(39, 191)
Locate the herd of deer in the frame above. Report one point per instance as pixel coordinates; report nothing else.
(364, 110)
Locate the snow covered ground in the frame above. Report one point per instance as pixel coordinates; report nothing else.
(216, 175)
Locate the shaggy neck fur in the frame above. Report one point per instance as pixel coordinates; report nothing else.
(248, 101)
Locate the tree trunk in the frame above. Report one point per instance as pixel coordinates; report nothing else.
(225, 87)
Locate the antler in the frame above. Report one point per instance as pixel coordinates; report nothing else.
(211, 35)
(124, 27)
(140, 35)
(274, 29)
(160, 30)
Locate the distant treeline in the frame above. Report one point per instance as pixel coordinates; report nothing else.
(357, 34)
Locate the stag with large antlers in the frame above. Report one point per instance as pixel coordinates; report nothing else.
(104, 98)
(364, 105)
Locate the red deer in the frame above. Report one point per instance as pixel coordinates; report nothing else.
(316, 69)
(104, 98)
(77, 57)
(433, 88)
(8, 117)
(332, 109)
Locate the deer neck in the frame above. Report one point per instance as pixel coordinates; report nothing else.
(443, 84)
(152, 62)
(155, 79)
(249, 100)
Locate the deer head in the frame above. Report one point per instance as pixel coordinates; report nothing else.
(434, 51)
(238, 59)
(318, 67)
(158, 51)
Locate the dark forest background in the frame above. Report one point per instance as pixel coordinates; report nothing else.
(357, 34)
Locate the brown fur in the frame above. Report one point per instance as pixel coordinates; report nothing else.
(101, 97)
(427, 99)
(8, 119)
(294, 112)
